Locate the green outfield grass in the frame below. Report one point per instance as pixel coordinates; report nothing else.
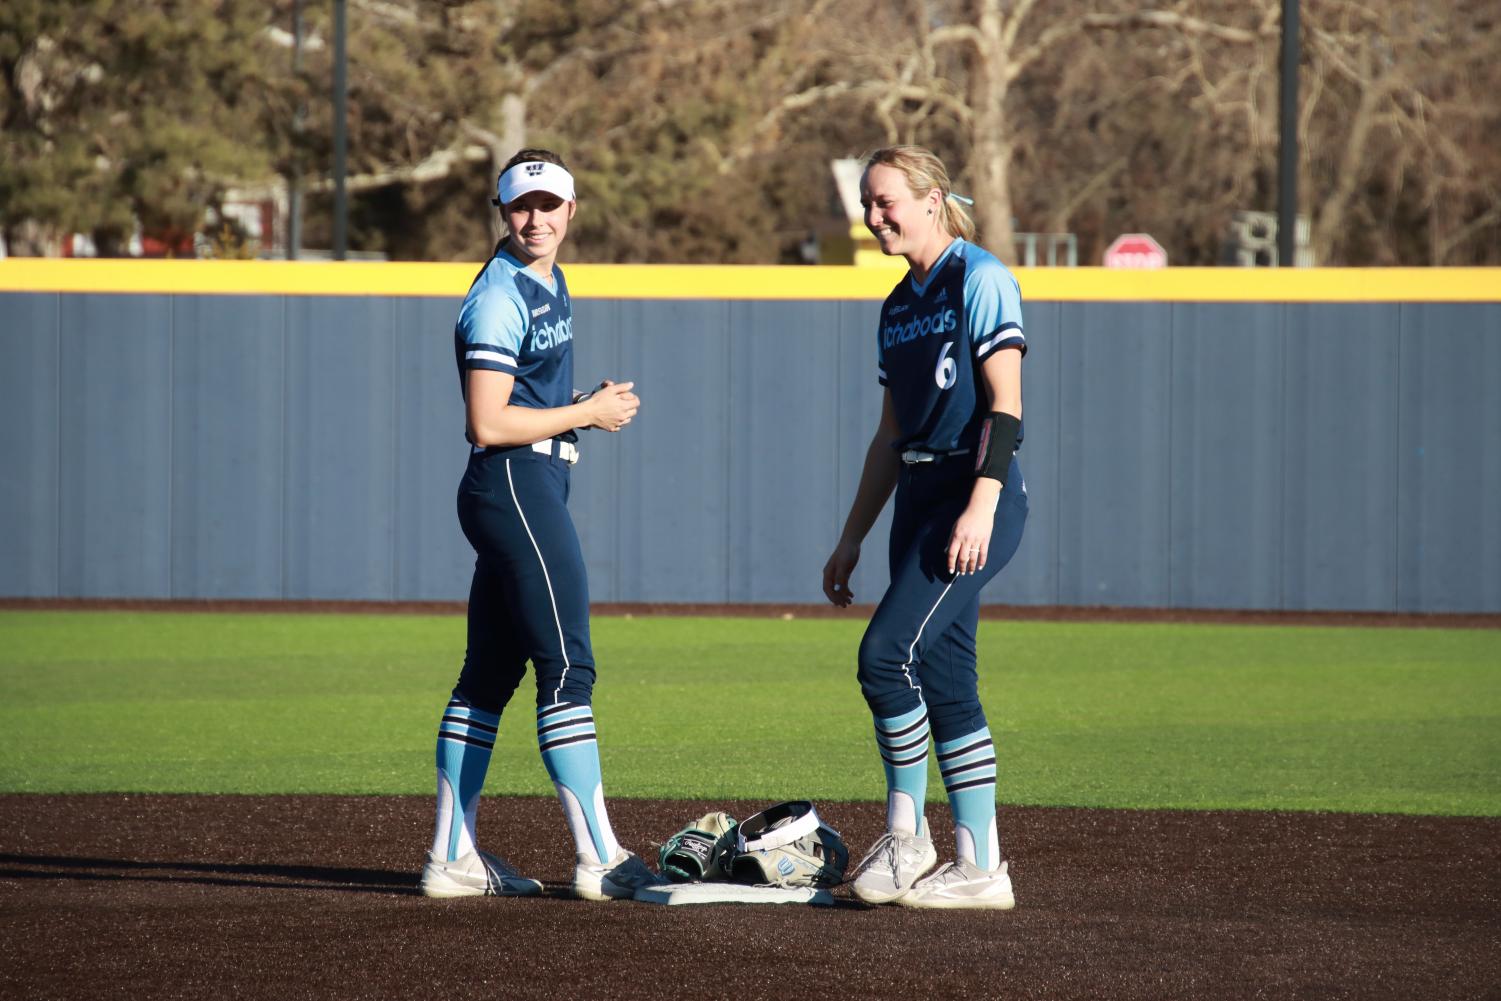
(1143, 716)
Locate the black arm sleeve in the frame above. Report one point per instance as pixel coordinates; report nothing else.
(997, 446)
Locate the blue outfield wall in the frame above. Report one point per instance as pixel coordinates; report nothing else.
(1246, 455)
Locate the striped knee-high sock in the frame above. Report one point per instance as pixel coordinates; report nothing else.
(904, 755)
(968, 767)
(466, 737)
(570, 751)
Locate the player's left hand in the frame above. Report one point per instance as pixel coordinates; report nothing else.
(969, 542)
(612, 405)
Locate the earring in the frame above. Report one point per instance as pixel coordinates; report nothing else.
(930, 211)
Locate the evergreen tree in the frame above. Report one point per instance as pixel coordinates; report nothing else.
(119, 112)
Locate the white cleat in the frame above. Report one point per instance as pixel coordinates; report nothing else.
(893, 864)
(478, 874)
(617, 879)
(963, 885)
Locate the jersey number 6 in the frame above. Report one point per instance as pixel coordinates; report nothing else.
(947, 371)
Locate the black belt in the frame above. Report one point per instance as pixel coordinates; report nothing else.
(913, 456)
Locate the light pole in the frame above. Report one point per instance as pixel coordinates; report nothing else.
(341, 140)
(1287, 158)
(294, 183)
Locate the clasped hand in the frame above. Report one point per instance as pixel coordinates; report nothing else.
(612, 405)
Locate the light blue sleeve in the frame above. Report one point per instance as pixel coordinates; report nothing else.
(492, 322)
(993, 303)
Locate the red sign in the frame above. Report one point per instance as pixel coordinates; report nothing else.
(1135, 250)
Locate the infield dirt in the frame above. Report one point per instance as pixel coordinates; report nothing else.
(116, 896)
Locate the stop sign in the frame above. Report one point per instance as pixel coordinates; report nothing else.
(1135, 250)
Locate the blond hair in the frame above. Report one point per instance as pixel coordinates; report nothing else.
(924, 172)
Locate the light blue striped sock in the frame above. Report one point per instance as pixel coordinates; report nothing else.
(904, 755)
(968, 767)
(466, 736)
(570, 751)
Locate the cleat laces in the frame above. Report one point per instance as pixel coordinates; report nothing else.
(883, 851)
(892, 854)
(947, 873)
(496, 872)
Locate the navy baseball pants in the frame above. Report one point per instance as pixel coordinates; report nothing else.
(530, 596)
(920, 645)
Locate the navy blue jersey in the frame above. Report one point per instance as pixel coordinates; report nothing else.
(933, 338)
(514, 321)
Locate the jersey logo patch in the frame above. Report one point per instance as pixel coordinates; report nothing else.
(552, 334)
(546, 307)
(942, 296)
(939, 322)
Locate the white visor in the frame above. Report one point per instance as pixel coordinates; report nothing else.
(534, 175)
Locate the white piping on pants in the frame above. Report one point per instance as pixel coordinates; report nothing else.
(913, 648)
(562, 644)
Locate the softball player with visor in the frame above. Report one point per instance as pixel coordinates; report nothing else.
(529, 600)
(950, 347)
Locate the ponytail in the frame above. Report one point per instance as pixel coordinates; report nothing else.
(955, 218)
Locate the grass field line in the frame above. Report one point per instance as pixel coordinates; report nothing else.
(1158, 715)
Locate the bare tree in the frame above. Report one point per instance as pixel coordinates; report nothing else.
(959, 70)
(1166, 118)
(701, 130)
(1398, 93)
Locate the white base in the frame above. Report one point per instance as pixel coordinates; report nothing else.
(732, 893)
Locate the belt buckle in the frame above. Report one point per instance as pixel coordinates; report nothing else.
(912, 457)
